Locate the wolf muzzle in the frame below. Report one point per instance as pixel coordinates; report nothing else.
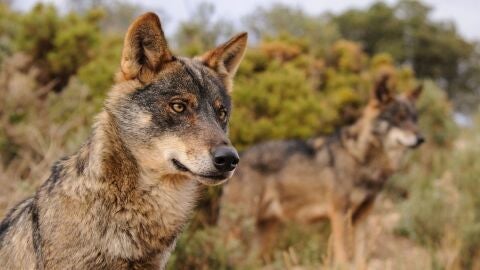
(225, 158)
(420, 141)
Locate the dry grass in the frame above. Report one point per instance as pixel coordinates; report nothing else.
(37, 128)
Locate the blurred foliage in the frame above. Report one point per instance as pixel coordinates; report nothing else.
(202, 31)
(8, 27)
(279, 19)
(118, 14)
(277, 103)
(442, 211)
(406, 31)
(98, 74)
(59, 44)
(436, 119)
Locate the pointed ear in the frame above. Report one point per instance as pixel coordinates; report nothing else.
(226, 58)
(381, 92)
(145, 49)
(415, 93)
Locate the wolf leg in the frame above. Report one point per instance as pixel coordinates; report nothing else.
(338, 222)
(360, 234)
(266, 237)
(360, 256)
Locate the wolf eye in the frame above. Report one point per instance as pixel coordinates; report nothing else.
(222, 114)
(178, 107)
(402, 117)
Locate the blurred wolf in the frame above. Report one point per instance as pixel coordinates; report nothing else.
(337, 177)
(121, 201)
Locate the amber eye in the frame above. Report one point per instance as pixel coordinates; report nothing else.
(178, 107)
(222, 114)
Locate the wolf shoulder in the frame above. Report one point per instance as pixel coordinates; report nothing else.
(16, 238)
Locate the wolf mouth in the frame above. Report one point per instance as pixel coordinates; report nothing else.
(411, 146)
(184, 168)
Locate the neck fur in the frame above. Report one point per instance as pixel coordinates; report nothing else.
(359, 141)
(106, 158)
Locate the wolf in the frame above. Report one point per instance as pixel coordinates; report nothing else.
(122, 200)
(335, 178)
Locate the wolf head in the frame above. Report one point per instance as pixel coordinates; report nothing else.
(392, 120)
(173, 112)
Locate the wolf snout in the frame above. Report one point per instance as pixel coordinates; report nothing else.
(420, 141)
(225, 158)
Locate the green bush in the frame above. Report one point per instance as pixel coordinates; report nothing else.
(58, 44)
(99, 73)
(8, 30)
(277, 103)
(436, 115)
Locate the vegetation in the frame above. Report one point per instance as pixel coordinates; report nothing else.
(304, 75)
(435, 50)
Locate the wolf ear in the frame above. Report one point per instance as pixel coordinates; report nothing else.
(415, 93)
(381, 92)
(145, 49)
(226, 58)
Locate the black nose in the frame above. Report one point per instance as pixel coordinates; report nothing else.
(225, 158)
(420, 140)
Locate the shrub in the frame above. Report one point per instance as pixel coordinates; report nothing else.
(58, 44)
